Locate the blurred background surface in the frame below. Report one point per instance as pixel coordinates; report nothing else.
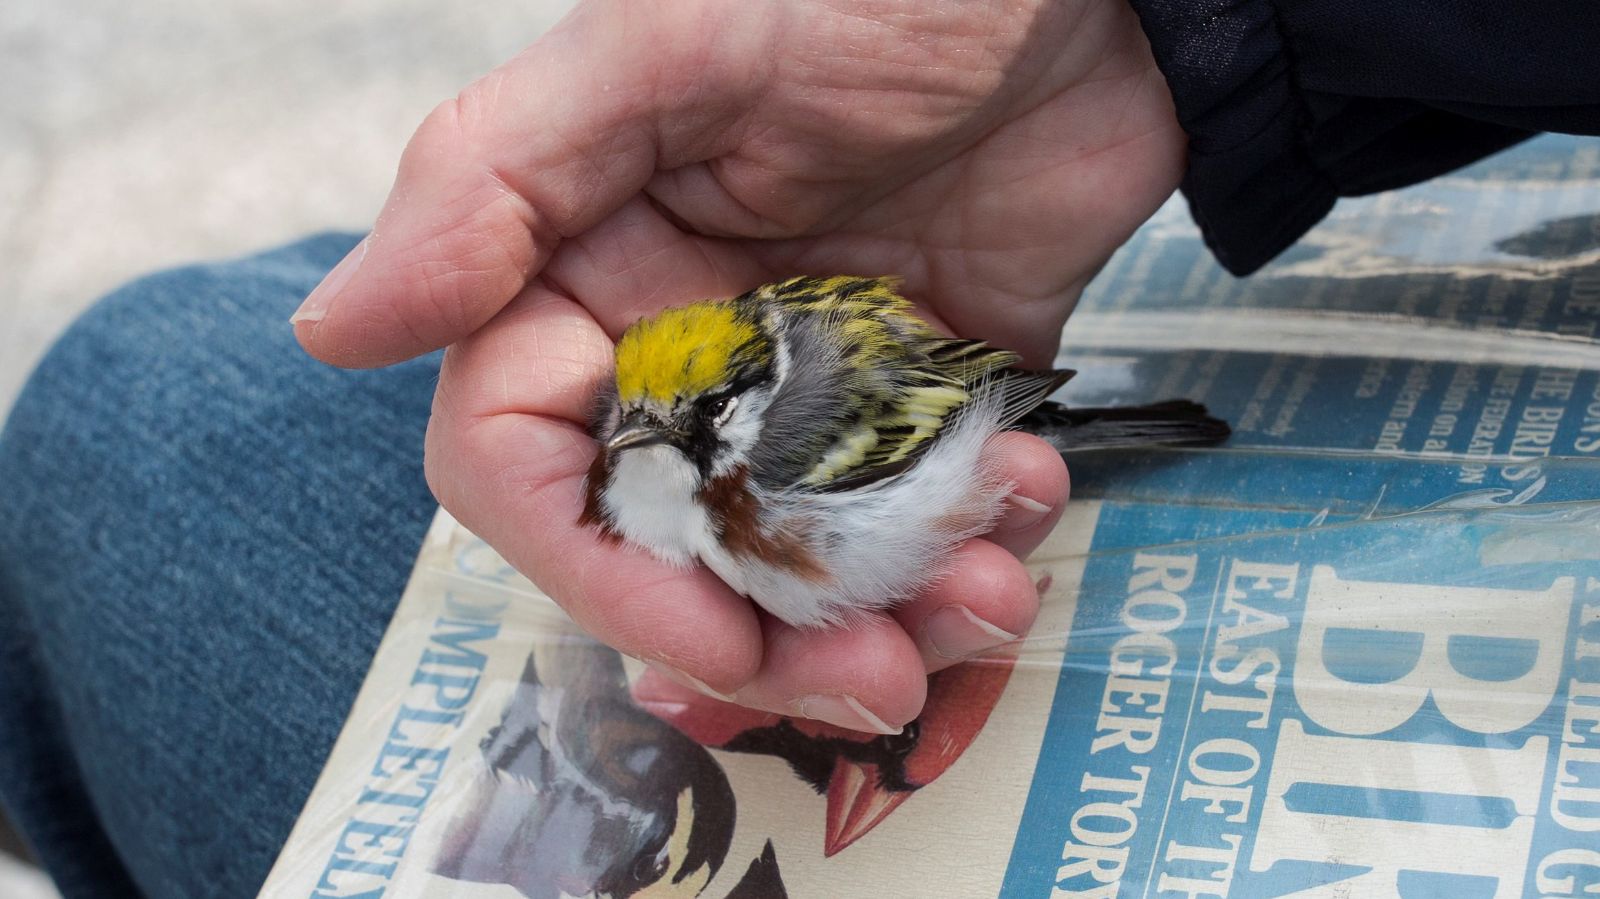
(140, 136)
(135, 137)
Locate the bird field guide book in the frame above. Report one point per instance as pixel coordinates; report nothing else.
(1355, 652)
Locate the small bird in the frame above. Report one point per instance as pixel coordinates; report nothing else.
(819, 447)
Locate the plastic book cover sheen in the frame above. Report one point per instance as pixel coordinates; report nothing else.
(1355, 652)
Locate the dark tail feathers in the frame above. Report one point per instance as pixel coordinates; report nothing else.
(1171, 423)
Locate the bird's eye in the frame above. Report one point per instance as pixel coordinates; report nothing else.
(722, 409)
(650, 869)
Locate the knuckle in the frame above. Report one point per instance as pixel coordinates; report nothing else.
(471, 118)
(435, 140)
(994, 579)
(435, 466)
(472, 113)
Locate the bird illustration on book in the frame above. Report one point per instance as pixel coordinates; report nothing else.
(580, 793)
(819, 447)
(865, 777)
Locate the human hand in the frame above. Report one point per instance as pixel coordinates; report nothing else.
(645, 155)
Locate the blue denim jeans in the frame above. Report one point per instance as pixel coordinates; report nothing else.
(203, 533)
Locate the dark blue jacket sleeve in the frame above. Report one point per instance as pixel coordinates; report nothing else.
(1290, 104)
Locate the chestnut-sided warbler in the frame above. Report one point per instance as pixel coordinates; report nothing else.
(818, 446)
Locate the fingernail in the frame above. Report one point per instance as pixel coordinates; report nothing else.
(955, 633)
(1029, 512)
(315, 307)
(843, 711)
(678, 677)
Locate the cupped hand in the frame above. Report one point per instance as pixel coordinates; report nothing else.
(642, 155)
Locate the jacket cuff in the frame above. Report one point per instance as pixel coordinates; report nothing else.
(1267, 159)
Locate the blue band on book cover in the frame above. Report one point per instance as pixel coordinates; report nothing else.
(1364, 660)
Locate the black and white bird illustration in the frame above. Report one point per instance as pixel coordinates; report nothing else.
(583, 794)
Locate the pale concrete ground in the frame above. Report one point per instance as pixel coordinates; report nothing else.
(19, 881)
(139, 136)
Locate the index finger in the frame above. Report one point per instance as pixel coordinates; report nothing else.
(539, 150)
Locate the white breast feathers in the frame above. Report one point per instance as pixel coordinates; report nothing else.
(878, 544)
(651, 502)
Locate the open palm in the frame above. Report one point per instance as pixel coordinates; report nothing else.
(644, 155)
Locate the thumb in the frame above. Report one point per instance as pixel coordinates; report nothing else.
(539, 149)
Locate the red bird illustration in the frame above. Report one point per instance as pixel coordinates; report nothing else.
(865, 777)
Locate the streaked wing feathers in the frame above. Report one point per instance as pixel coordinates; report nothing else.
(1021, 391)
(919, 378)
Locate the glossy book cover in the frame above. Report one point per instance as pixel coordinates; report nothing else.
(1355, 652)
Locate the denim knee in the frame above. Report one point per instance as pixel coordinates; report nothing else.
(202, 535)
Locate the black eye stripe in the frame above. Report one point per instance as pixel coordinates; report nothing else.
(739, 385)
(748, 379)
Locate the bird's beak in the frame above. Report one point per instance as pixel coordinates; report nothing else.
(638, 428)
